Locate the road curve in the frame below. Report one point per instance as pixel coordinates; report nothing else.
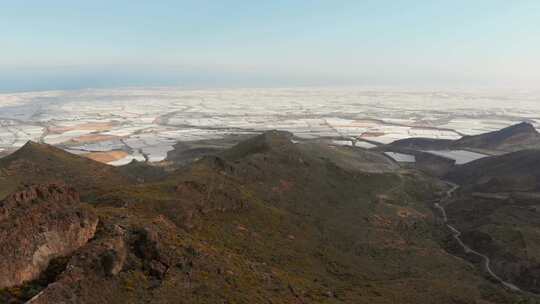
(457, 236)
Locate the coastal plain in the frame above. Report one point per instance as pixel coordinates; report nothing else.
(143, 124)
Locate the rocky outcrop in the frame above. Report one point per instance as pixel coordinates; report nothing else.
(38, 224)
(149, 250)
(17, 201)
(95, 261)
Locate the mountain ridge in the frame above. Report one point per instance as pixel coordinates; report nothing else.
(510, 139)
(266, 220)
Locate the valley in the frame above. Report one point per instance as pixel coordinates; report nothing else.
(270, 152)
(457, 236)
(337, 212)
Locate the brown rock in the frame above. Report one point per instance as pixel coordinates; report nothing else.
(38, 224)
(113, 256)
(147, 244)
(95, 261)
(149, 249)
(157, 269)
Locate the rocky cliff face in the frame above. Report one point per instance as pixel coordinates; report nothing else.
(38, 224)
(96, 261)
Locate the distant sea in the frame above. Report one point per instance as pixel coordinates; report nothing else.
(73, 78)
(20, 80)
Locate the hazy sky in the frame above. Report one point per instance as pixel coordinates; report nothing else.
(64, 44)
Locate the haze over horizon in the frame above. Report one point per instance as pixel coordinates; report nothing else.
(65, 45)
(287, 151)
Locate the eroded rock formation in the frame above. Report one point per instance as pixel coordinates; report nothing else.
(95, 261)
(38, 224)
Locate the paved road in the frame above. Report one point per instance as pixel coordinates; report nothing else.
(457, 235)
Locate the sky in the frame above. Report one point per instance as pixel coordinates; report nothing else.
(60, 44)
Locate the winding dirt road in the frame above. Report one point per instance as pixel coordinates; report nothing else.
(457, 236)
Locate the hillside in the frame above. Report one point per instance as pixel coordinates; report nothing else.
(513, 138)
(497, 211)
(39, 163)
(510, 139)
(419, 143)
(506, 229)
(186, 152)
(265, 221)
(517, 171)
